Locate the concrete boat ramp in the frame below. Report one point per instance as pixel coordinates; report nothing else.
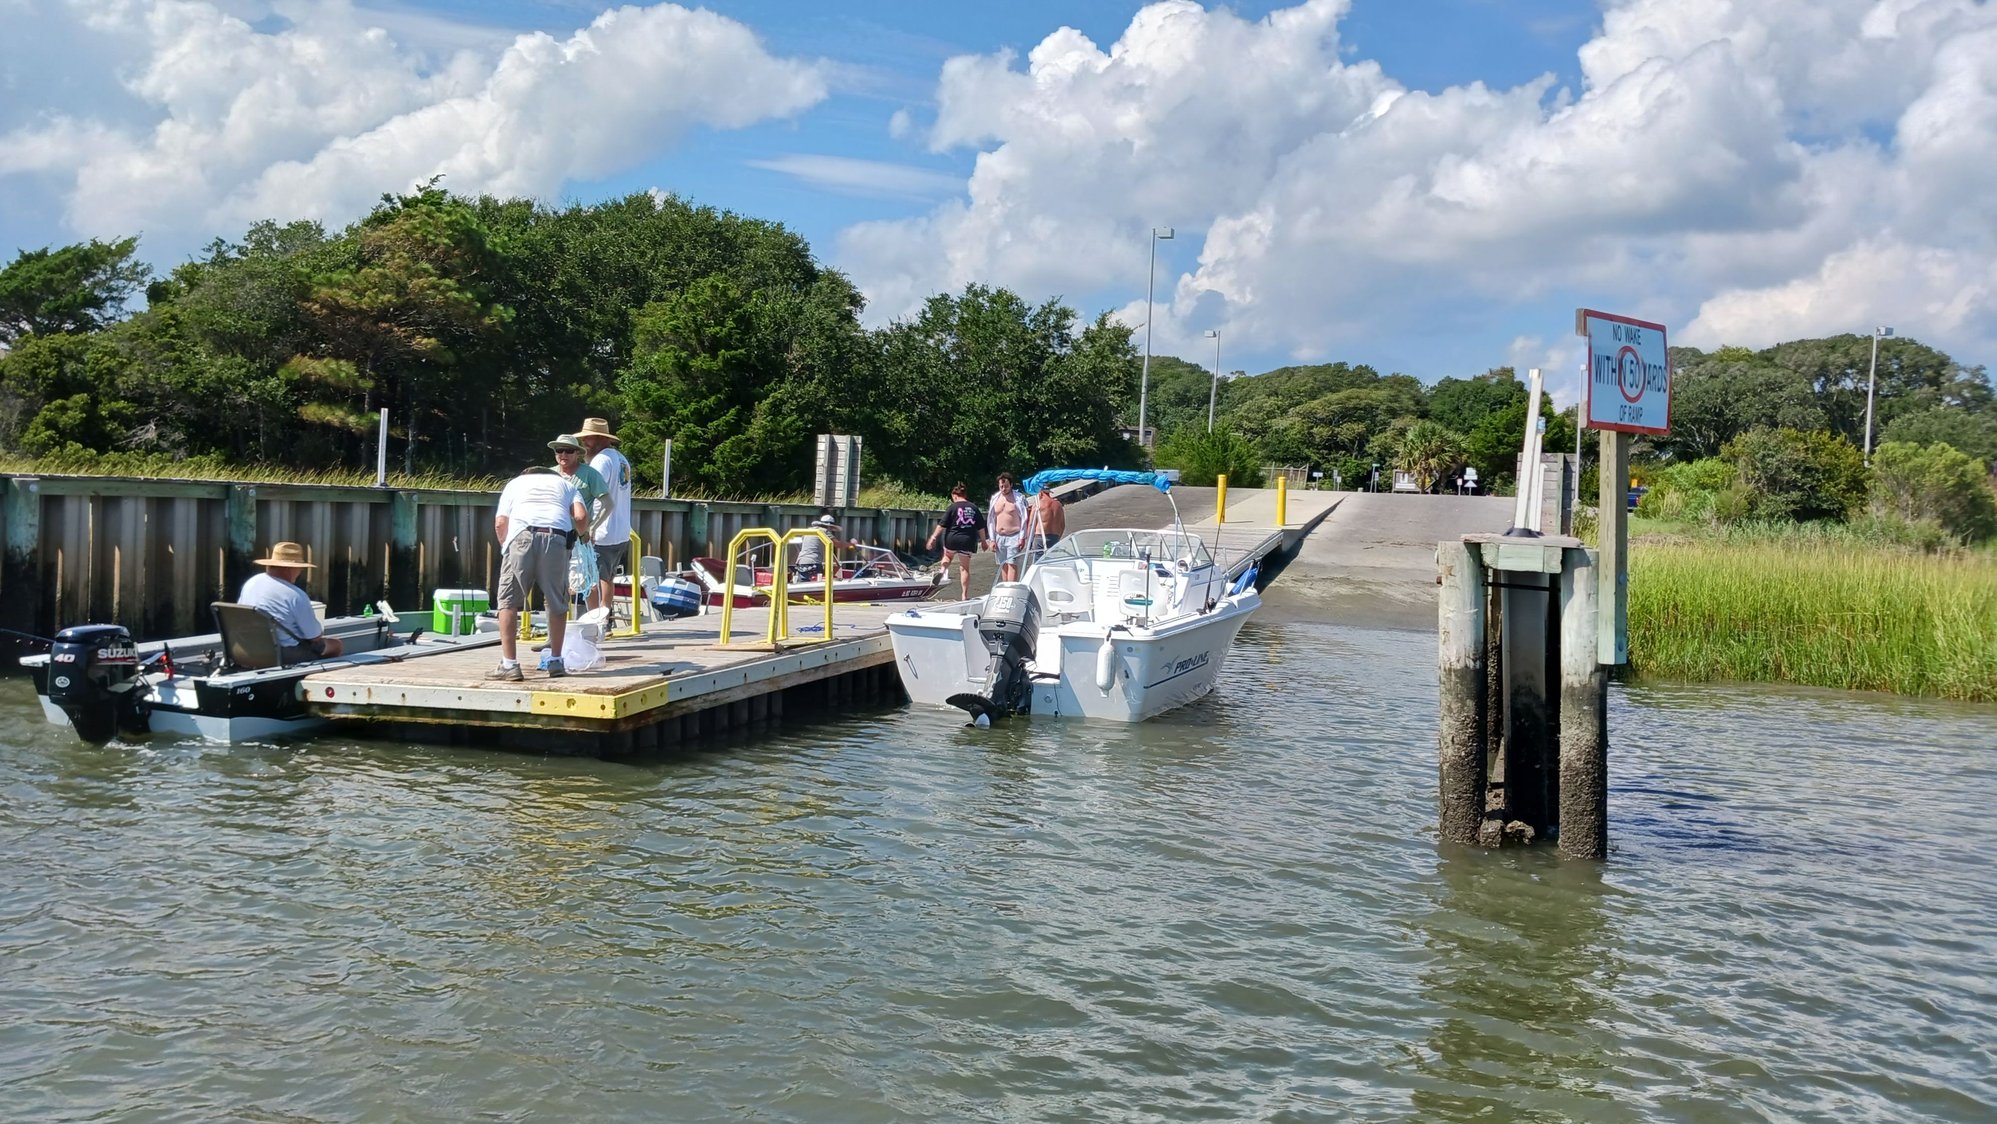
(676, 682)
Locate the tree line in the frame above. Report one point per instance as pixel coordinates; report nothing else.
(484, 326)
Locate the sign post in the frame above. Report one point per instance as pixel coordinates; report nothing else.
(1629, 391)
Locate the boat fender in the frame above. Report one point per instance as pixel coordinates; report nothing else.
(1106, 665)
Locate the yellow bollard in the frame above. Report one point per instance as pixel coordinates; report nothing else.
(637, 589)
(1282, 499)
(1220, 501)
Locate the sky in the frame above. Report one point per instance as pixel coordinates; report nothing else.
(1429, 187)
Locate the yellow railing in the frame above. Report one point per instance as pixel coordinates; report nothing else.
(778, 629)
(637, 589)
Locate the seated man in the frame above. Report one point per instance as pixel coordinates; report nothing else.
(275, 593)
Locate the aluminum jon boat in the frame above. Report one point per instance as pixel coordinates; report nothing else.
(878, 574)
(228, 686)
(1119, 625)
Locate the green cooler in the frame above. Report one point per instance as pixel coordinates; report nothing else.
(454, 612)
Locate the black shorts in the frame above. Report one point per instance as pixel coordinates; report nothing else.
(610, 556)
(961, 543)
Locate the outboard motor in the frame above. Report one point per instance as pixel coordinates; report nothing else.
(94, 679)
(1010, 626)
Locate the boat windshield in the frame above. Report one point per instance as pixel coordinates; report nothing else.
(1157, 546)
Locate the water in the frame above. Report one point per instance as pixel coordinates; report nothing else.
(1237, 912)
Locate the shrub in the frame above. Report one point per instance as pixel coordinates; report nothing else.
(1790, 474)
(1202, 457)
(1707, 490)
(1936, 484)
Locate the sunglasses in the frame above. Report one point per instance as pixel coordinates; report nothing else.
(568, 452)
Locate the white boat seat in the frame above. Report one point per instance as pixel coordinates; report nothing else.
(249, 639)
(1135, 593)
(651, 566)
(1062, 591)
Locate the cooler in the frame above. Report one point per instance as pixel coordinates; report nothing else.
(454, 612)
(676, 597)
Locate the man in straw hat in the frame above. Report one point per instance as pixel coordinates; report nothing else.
(811, 549)
(539, 515)
(275, 594)
(611, 523)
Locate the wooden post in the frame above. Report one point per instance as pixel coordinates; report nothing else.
(1584, 724)
(238, 556)
(21, 571)
(404, 585)
(1613, 570)
(1460, 664)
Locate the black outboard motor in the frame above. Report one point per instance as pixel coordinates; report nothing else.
(94, 679)
(1010, 625)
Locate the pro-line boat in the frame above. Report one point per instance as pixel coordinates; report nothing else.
(1119, 624)
(227, 686)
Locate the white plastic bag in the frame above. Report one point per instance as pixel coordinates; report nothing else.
(579, 653)
(582, 569)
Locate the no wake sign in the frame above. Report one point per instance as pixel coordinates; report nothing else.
(1629, 373)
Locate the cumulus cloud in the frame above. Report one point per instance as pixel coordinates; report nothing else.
(314, 110)
(1747, 172)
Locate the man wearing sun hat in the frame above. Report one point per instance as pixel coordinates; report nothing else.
(811, 549)
(275, 594)
(611, 525)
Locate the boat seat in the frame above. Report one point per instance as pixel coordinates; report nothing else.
(651, 566)
(249, 639)
(1135, 593)
(1062, 591)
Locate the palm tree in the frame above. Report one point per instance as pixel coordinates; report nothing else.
(1427, 450)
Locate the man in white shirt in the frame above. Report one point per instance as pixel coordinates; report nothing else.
(1006, 515)
(275, 593)
(539, 516)
(611, 523)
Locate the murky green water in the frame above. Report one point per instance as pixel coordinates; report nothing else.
(1239, 912)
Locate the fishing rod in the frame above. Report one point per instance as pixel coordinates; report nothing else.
(19, 635)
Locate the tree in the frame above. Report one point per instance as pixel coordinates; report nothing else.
(1719, 398)
(1460, 404)
(1974, 433)
(1428, 450)
(1790, 474)
(1936, 483)
(1492, 447)
(78, 288)
(1202, 457)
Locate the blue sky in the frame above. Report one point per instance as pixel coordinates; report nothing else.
(1431, 188)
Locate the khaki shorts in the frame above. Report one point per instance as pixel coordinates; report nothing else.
(535, 560)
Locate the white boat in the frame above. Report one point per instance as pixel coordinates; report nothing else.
(225, 688)
(1119, 625)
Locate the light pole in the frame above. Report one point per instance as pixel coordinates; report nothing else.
(1870, 379)
(1150, 281)
(1214, 335)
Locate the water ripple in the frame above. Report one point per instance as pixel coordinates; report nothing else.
(1238, 911)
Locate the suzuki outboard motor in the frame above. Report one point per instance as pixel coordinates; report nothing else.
(94, 679)
(1010, 626)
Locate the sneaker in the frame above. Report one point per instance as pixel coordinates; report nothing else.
(556, 668)
(507, 674)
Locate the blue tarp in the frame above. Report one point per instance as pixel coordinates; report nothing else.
(1050, 476)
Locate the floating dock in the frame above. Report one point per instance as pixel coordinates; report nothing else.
(676, 682)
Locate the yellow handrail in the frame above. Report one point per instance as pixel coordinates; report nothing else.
(830, 568)
(735, 544)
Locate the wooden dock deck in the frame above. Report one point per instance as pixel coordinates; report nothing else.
(675, 670)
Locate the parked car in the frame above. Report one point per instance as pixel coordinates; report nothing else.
(1636, 496)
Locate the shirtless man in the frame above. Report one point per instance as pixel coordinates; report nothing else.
(1007, 517)
(1050, 520)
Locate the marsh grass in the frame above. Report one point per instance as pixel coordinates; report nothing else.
(1818, 608)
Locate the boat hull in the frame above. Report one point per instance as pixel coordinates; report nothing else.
(939, 653)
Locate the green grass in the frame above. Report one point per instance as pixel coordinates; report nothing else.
(1821, 608)
(210, 469)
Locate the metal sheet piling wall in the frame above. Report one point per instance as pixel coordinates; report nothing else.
(153, 554)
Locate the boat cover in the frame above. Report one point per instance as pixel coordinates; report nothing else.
(1050, 476)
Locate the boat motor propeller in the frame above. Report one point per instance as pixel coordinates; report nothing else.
(1009, 622)
(94, 680)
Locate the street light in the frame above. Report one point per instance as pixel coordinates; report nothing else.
(1214, 335)
(1150, 280)
(1870, 379)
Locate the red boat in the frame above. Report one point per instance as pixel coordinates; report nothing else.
(877, 575)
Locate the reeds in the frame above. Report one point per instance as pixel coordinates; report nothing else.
(1824, 609)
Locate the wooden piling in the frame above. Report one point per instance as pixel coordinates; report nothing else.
(1584, 728)
(1460, 664)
